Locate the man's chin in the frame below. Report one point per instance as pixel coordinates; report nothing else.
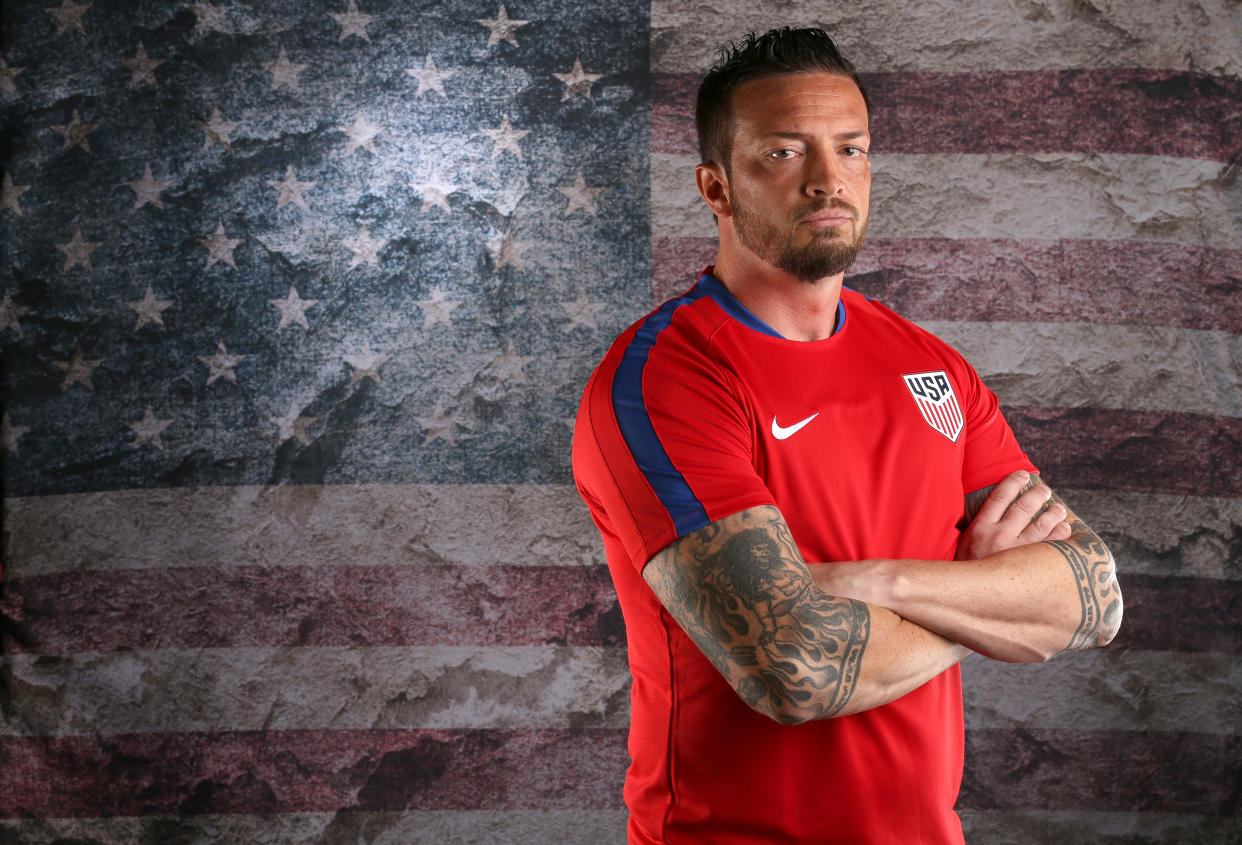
(813, 265)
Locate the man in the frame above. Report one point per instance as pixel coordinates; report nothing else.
(812, 509)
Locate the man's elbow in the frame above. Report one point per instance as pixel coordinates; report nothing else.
(1108, 599)
(1110, 619)
(1102, 607)
(781, 704)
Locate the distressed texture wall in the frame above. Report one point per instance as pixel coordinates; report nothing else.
(298, 299)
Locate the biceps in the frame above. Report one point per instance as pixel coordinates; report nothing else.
(740, 590)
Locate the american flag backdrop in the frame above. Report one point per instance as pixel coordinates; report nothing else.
(298, 300)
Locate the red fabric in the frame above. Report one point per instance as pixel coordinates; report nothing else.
(867, 477)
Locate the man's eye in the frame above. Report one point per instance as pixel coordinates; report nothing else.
(855, 152)
(782, 154)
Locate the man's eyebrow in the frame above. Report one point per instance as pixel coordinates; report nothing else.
(801, 136)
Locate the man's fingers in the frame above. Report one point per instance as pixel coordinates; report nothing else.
(1002, 496)
(1049, 525)
(1026, 508)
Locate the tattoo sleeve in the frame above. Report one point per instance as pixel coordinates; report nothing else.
(740, 590)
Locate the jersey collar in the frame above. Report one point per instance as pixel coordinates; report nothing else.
(714, 288)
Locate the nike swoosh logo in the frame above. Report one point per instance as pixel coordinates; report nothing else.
(781, 432)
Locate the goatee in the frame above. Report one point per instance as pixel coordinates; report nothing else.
(826, 255)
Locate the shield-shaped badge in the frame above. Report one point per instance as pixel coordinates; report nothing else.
(933, 394)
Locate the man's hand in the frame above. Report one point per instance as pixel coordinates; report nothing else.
(1023, 588)
(1017, 511)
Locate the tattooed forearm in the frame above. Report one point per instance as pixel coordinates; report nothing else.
(1095, 573)
(1089, 560)
(741, 591)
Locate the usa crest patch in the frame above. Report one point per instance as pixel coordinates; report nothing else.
(937, 403)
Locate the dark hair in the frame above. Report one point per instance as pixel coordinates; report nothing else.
(784, 50)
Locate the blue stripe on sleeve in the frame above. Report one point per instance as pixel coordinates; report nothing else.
(684, 508)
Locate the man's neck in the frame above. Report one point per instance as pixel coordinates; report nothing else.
(796, 309)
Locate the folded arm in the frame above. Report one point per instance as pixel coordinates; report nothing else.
(741, 590)
(1005, 597)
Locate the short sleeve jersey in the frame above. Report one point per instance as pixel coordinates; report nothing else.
(867, 442)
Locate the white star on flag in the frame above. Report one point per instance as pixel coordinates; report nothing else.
(9, 433)
(435, 192)
(150, 309)
(361, 134)
(148, 189)
(577, 82)
(78, 369)
(353, 22)
(501, 27)
(9, 193)
(68, 14)
(293, 426)
(365, 364)
(217, 130)
(148, 429)
(208, 17)
(10, 313)
(7, 75)
(507, 366)
(581, 312)
(429, 78)
(440, 426)
(579, 195)
(284, 72)
(365, 249)
(220, 247)
(78, 251)
(293, 309)
(438, 308)
(290, 190)
(506, 138)
(142, 68)
(75, 132)
(221, 364)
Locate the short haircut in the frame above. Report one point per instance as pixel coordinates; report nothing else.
(777, 51)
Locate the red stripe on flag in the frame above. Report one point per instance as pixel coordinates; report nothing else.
(1148, 451)
(1169, 613)
(1125, 282)
(1102, 771)
(317, 771)
(209, 607)
(1134, 111)
(310, 771)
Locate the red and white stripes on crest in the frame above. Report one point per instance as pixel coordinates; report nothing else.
(936, 401)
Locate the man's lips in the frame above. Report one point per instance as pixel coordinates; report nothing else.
(828, 218)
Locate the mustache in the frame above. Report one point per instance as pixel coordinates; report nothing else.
(824, 205)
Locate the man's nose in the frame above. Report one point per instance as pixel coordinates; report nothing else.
(824, 176)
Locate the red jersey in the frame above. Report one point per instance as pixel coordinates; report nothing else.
(867, 442)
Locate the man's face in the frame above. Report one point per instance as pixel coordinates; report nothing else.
(799, 180)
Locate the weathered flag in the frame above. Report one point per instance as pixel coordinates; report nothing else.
(298, 300)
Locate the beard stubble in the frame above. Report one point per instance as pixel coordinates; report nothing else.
(826, 254)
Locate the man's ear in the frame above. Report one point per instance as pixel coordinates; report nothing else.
(714, 188)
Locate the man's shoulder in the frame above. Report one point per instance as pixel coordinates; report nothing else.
(686, 321)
